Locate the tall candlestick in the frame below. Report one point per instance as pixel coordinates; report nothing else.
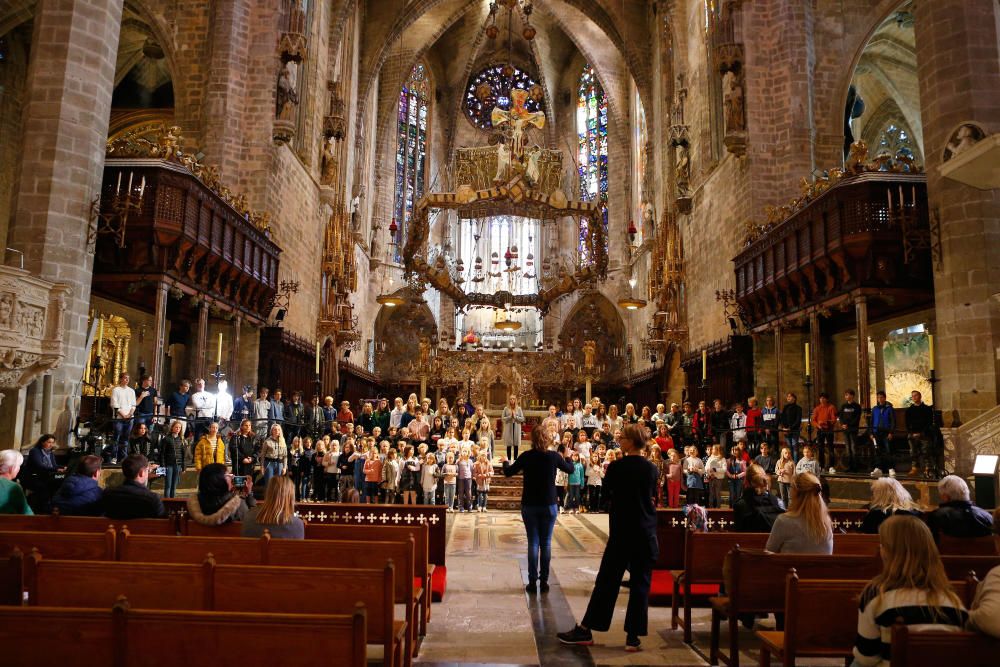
(142, 187)
(130, 175)
(100, 336)
(930, 350)
(807, 360)
(704, 365)
(118, 188)
(218, 360)
(888, 194)
(317, 357)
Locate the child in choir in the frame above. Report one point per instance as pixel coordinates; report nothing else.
(391, 472)
(715, 469)
(808, 462)
(464, 465)
(673, 478)
(785, 470)
(373, 474)
(694, 475)
(449, 473)
(575, 484)
(595, 476)
(562, 481)
(583, 445)
(429, 478)
(736, 472)
(482, 472)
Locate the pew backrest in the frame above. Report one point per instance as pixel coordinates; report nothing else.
(419, 533)
(183, 549)
(85, 524)
(936, 648)
(958, 567)
(11, 578)
(855, 544)
(75, 546)
(967, 546)
(705, 553)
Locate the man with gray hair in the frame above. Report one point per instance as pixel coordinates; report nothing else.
(12, 498)
(956, 516)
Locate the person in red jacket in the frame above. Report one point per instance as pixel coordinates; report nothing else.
(755, 422)
(824, 420)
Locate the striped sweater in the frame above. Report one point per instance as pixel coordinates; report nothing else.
(877, 614)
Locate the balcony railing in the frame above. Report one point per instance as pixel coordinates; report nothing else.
(867, 233)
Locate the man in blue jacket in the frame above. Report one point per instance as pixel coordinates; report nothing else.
(883, 424)
(80, 494)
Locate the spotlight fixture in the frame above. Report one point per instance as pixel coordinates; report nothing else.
(390, 300)
(631, 303)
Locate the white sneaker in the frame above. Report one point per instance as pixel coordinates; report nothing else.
(892, 472)
(877, 473)
(833, 471)
(485, 510)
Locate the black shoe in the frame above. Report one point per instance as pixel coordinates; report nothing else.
(530, 589)
(632, 644)
(543, 587)
(577, 637)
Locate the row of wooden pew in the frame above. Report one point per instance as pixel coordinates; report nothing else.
(821, 591)
(383, 568)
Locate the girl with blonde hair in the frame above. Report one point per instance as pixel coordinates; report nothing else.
(888, 499)
(805, 528)
(912, 588)
(277, 513)
(210, 448)
(274, 454)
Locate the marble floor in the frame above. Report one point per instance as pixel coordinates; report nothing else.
(487, 618)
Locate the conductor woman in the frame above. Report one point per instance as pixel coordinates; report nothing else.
(539, 507)
(631, 484)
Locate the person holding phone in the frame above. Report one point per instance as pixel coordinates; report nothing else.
(630, 485)
(222, 497)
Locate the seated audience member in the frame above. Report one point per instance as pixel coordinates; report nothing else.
(888, 498)
(956, 516)
(757, 508)
(132, 499)
(912, 587)
(80, 494)
(805, 528)
(38, 475)
(218, 501)
(985, 614)
(277, 513)
(12, 498)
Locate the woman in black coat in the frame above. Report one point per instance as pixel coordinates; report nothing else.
(757, 508)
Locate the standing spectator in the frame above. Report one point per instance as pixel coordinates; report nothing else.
(142, 443)
(132, 499)
(464, 465)
(123, 403)
(243, 448)
(319, 471)
(367, 418)
(396, 414)
(295, 415)
(791, 423)
(373, 474)
(912, 588)
(178, 402)
(331, 473)
(824, 419)
(380, 417)
(262, 412)
(702, 423)
(429, 479)
(512, 419)
(850, 419)
(243, 406)
(449, 474)
(482, 473)
(920, 426)
(736, 471)
(390, 477)
(770, 420)
(38, 474)
(173, 450)
(808, 462)
(276, 414)
(882, 426)
(674, 475)
(956, 516)
(345, 418)
(202, 408)
(314, 418)
(345, 466)
(694, 476)
(330, 417)
(274, 454)
(210, 448)
(889, 498)
(806, 527)
(304, 469)
(12, 498)
(765, 459)
(409, 476)
(737, 427)
(147, 401)
(595, 477)
(631, 486)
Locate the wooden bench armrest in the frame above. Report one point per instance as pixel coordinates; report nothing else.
(430, 569)
(720, 604)
(773, 639)
(399, 630)
(418, 593)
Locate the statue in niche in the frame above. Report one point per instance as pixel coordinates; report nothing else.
(589, 352)
(328, 166)
(648, 220)
(6, 310)
(425, 352)
(287, 97)
(963, 139)
(733, 103)
(683, 170)
(503, 162)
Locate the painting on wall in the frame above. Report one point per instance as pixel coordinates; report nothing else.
(906, 354)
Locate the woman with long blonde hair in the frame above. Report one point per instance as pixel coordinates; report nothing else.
(806, 527)
(274, 454)
(888, 499)
(277, 513)
(912, 587)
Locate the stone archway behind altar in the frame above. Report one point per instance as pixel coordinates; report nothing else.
(499, 372)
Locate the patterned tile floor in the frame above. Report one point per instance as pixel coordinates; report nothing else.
(487, 618)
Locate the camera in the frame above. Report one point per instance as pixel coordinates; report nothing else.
(239, 481)
(160, 471)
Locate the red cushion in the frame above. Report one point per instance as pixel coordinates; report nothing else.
(661, 590)
(439, 582)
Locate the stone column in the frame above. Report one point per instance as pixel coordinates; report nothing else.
(159, 333)
(957, 67)
(234, 357)
(66, 111)
(864, 359)
(225, 92)
(816, 343)
(779, 377)
(879, 341)
(198, 356)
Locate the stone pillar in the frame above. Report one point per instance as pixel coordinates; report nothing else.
(958, 52)
(234, 357)
(159, 333)
(779, 377)
(67, 107)
(816, 344)
(864, 359)
(879, 341)
(225, 92)
(198, 356)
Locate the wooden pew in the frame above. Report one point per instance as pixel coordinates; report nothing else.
(821, 619)
(126, 637)
(967, 546)
(75, 546)
(936, 648)
(958, 567)
(211, 587)
(85, 524)
(265, 551)
(704, 554)
(750, 584)
(11, 578)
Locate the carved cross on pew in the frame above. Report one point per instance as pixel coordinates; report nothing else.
(309, 516)
(433, 519)
(408, 519)
(372, 517)
(322, 516)
(421, 519)
(360, 517)
(384, 517)
(396, 518)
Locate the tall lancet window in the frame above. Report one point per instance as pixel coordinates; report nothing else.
(411, 149)
(592, 128)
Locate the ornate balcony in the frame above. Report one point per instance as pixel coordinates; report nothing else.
(867, 234)
(184, 233)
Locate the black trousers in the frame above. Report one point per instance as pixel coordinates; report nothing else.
(639, 561)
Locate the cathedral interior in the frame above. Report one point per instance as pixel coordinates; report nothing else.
(649, 201)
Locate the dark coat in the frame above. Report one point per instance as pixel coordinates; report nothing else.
(755, 513)
(132, 500)
(79, 496)
(960, 518)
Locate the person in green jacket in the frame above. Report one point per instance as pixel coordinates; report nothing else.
(12, 499)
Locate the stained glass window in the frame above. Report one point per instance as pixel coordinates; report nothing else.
(592, 128)
(411, 150)
(491, 89)
(895, 141)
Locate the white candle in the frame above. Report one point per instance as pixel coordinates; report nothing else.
(704, 365)
(130, 175)
(118, 189)
(100, 336)
(142, 187)
(218, 361)
(930, 350)
(807, 360)
(317, 357)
